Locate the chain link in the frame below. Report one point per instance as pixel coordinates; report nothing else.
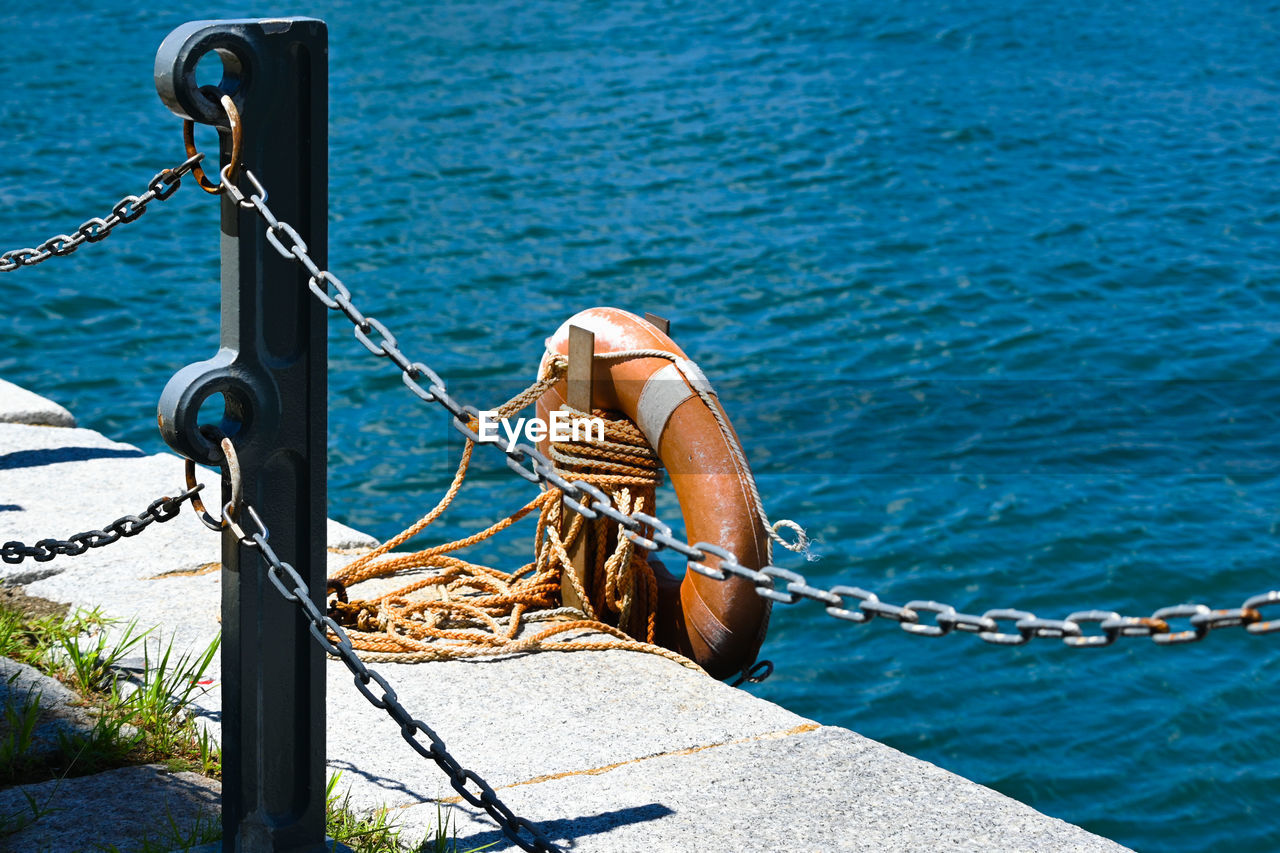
(160, 510)
(290, 584)
(129, 208)
(847, 603)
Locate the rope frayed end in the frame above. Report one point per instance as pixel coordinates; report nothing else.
(802, 544)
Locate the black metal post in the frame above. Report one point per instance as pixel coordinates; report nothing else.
(271, 371)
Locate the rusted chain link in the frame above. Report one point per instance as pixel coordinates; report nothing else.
(254, 534)
(160, 510)
(129, 208)
(189, 142)
(847, 603)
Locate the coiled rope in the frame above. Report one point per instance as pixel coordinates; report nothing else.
(466, 610)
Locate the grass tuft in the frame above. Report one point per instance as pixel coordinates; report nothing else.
(20, 726)
(143, 719)
(373, 832)
(136, 719)
(91, 666)
(205, 829)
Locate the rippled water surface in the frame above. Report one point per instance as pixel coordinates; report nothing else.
(990, 290)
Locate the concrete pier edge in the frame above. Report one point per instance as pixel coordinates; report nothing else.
(608, 751)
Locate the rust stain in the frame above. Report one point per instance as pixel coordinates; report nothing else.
(596, 771)
(349, 552)
(207, 568)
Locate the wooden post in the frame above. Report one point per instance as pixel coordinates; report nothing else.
(582, 351)
(661, 323)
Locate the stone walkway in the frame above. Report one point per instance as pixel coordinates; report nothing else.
(611, 751)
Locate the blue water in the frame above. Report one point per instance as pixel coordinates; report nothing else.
(990, 290)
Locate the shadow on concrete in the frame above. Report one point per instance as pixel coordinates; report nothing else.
(54, 455)
(386, 783)
(563, 832)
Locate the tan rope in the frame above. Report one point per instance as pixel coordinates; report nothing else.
(466, 610)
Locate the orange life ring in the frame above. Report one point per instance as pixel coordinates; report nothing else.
(719, 624)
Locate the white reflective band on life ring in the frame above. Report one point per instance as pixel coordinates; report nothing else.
(664, 392)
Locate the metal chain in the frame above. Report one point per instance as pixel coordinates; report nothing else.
(291, 585)
(160, 510)
(590, 502)
(129, 208)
